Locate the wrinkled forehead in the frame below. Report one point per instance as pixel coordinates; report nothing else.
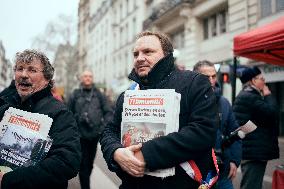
(207, 70)
(32, 62)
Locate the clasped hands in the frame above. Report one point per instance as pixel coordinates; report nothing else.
(131, 160)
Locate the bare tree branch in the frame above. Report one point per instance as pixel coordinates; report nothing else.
(62, 30)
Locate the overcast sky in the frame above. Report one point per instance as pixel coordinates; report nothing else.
(22, 20)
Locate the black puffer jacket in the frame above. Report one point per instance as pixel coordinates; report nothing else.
(91, 109)
(261, 144)
(63, 159)
(194, 140)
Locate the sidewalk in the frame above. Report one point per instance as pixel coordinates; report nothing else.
(98, 181)
(101, 177)
(267, 180)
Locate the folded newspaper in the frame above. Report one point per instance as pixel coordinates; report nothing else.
(148, 114)
(24, 139)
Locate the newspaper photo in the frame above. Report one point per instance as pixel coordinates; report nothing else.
(24, 139)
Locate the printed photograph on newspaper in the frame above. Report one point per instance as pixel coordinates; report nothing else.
(141, 132)
(24, 139)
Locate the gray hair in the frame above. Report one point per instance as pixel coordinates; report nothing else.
(201, 63)
(27, 57)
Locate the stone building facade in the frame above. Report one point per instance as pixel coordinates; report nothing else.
(6, 70)
(199, 29)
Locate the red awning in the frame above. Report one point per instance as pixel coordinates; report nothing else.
(265, 43)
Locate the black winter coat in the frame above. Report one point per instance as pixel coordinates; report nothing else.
(261, 144)
(193, 141)
(63, 159)
(228, 124)
(91, 109)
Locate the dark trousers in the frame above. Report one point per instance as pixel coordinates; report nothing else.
(89, 149)
(252, 174)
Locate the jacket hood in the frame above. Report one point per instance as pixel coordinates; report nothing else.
(160, 70)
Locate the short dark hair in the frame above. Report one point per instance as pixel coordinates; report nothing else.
(201, 63)
(28, 55)
(163, 38)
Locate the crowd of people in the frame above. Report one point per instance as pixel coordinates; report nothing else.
(88, 117)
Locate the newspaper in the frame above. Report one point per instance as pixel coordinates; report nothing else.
(148, 114)
(24, 139)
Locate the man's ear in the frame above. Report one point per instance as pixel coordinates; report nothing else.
(252, 81)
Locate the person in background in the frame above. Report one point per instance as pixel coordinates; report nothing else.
(92, 110)
(256, 103)
(31, 91)
(229, 158)
(154, 68)
(56, 95)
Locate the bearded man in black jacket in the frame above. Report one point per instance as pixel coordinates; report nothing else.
(154, 69)
(31, 91)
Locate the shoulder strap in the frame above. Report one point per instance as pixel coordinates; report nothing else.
(99, 94)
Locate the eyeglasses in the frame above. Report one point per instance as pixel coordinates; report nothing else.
(30, 70)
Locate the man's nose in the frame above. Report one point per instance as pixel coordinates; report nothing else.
(24, 73)
(141, 57)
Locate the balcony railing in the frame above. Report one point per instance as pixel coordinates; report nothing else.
(161, 9)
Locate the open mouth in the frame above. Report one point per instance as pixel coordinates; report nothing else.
(24, 84)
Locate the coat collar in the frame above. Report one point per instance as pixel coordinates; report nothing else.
(14, 98)
(157, 74)
(251, 88)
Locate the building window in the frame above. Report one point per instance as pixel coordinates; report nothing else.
(126, 34)
(178, 39)
(106, 28)
(279, 5)
(222, 21)
(121, 11)
(114, 40)
(215, 24)
(127, 6)
(115, 16)
(205, 28)
(134, 26)
(268, 7)
(121, 37)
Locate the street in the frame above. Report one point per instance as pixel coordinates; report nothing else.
(102, 178)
